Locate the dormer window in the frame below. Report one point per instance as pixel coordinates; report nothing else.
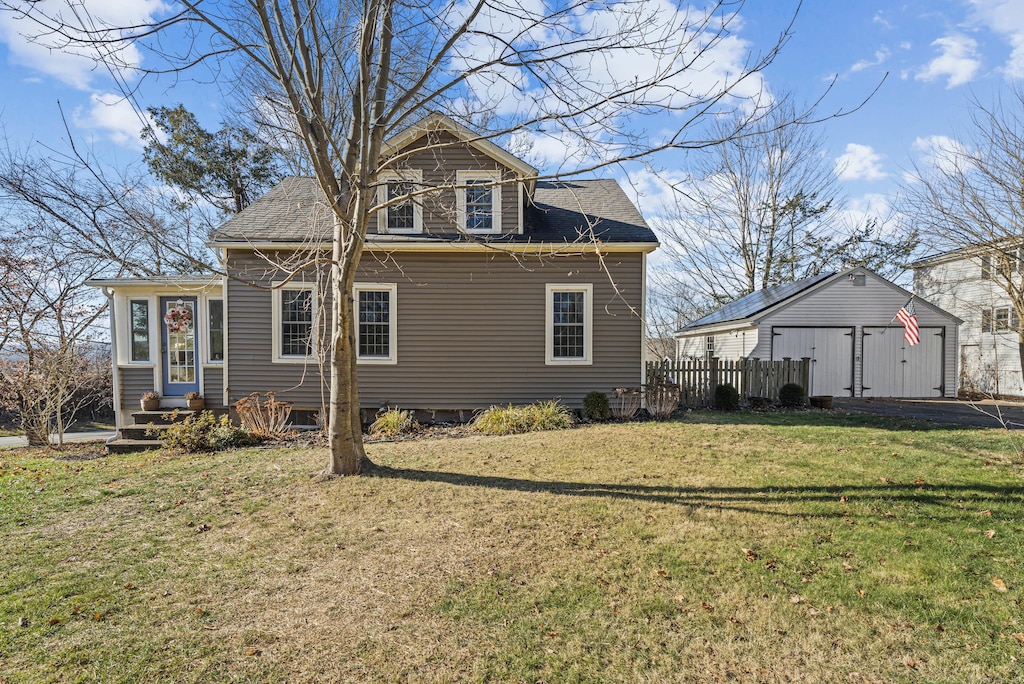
(479, 201)
(403, 211)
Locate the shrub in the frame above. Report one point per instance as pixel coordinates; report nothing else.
(264, 418)
(626, 402)
(791, 394)
(393, 422)
(726, 398)
(204, 432)
(662, 397)
(511, 420)
(596, 406)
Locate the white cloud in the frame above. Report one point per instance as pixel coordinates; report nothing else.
(957, 62)
(941, 152)
(627, 60)
(860, 162)
(1005, 17)
(77, 69)
(879, 18)
(880, 57)
(115, 116)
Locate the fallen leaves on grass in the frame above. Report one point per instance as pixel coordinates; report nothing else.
(990, 533)
(999, 584)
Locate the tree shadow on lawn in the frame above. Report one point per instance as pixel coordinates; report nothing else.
(829, 501)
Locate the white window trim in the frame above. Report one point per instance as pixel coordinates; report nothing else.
(124, 332)
(588, 324)
(276, 355)
(414, 176)
(208, 331)
(463, 177)
(392, 290)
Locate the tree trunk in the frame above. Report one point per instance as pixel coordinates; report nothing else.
(1020, 351)
(345, 422)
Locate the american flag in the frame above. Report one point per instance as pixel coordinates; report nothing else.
(908, 317)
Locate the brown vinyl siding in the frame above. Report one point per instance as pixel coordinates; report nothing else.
(439, 167)
(134, 381)
(213, 386)
(470, 331)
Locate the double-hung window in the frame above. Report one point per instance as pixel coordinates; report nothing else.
(376, 334)
(479, 201)
(139, 329)
(294, 314)
(569, 328)
(402, 210)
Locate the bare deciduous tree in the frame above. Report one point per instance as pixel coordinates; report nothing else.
(761, 209)
(47, 317)
(969, 198)
(349, 75)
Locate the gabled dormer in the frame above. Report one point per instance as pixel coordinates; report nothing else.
(455, 181)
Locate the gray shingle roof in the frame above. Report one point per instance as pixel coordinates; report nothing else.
(565, 211)
(756, 302)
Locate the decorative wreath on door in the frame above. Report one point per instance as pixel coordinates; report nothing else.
(178, 318)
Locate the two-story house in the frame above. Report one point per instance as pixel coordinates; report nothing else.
(478, 285)
(975, 285)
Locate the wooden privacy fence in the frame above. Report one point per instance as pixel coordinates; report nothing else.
(697, 378)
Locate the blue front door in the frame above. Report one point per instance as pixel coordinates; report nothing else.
(178, 345)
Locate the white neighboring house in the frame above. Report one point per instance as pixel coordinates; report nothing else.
(844, 323)
(966, 282)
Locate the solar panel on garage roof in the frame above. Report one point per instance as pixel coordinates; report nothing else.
(755, 302)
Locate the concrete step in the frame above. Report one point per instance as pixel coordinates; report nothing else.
(140, 432)
(129, 446)
(161, 417)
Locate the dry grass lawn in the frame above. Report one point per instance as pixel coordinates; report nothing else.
(777, 548)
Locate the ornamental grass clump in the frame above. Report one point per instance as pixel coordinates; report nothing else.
(392, 423)
(265, 417)
(513, 420)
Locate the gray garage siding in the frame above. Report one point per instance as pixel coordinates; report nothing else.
(470, 330)
(213, 386)
(842, 303)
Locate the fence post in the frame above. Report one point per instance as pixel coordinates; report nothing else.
(805, 375)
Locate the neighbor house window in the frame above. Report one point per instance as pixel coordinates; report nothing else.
(986, 267)
(569, 324)
(139, 329)
(479, 201)
(215, 310)
(986, 320)
(709, 348)
(294, 313)
(402, 212)
(375, 322)
(1002, 319)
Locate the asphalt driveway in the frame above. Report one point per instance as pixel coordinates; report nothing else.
(985, 413)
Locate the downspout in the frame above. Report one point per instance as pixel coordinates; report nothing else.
(114, 376)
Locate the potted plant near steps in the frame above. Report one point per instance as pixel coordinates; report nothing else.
(151, 401)
(194, 401)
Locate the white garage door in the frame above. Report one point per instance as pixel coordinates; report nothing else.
(892, 368)
(831, 352)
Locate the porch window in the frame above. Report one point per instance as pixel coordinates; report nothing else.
(375, 323)
(216, 328)
(569, 324)
(294, 314)
(139, 329)
(479, 201)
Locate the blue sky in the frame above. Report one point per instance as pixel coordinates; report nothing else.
(937, 54)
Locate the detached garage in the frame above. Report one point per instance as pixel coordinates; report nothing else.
(844, 322)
